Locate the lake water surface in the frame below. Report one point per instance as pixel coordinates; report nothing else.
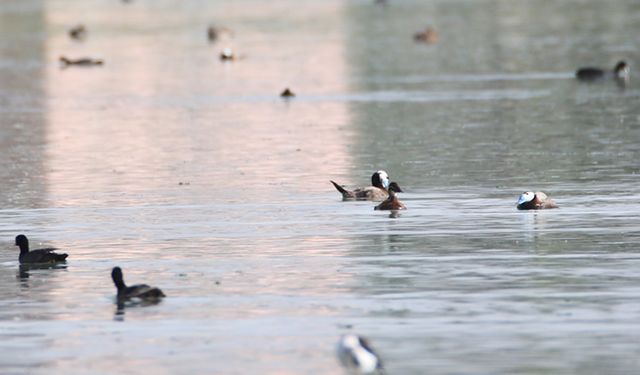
(194, 176)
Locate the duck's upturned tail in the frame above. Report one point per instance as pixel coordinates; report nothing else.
(345, 193)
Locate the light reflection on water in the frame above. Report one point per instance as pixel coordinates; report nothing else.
(262, 263)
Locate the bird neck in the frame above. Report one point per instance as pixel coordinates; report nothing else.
(120, 285)
(24, 248)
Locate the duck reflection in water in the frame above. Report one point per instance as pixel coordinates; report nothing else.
(24, 271)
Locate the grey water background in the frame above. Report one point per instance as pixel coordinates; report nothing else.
(263, 264)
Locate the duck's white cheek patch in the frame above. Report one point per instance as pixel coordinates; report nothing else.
(526, 197)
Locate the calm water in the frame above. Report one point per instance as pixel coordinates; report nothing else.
(263, 264)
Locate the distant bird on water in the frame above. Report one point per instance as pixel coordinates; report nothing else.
(429, 36)
(85, 61)
(138, 293)
(227, 55)
(78, 32)
(38, 256)
(392, 203)
(356, 353)
(620, 73)
(287, 93)
(535, 201)
(215, 33)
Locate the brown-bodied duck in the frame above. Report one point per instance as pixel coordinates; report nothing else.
(392, 203)
(428, 35)
(378, 191)
(589, 74)
(38, 256)
(138, 293)
(535, 201)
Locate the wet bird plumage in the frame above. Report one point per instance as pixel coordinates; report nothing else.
(37, 256)
(143, 292)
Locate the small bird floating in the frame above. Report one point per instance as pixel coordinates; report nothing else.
(135, 293)
(429, 36)
(620, 73)
(215, 33)
(535, 201)
(392, 203)
(85, 61)
(78, 32)
(356, 353)
(227, 55)
(38, 256)
(287, 93)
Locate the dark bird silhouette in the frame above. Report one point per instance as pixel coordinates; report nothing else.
(78, 32)
(287, 93)
(38, 256)
(85, 61)
(589, 74)
(141, 292)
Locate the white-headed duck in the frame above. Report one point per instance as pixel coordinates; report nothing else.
(392, 203)
(620, 73)
(228, 55)
(38, 256)
(139, 292)
(535, 201)
(378, 191)
(356, 353)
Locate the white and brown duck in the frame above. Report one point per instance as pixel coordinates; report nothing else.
(378, 191)
(535, 201)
